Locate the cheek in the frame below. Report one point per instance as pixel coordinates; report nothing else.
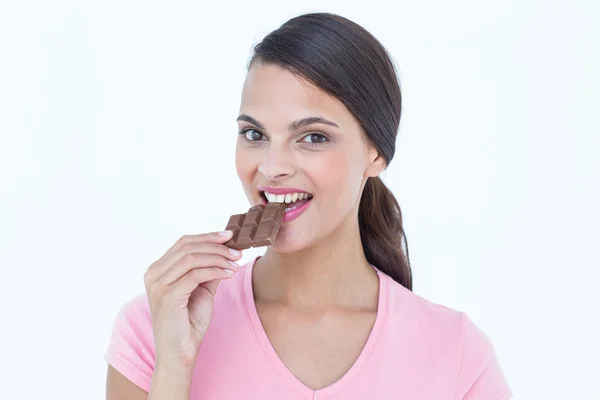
(245, 166)
(243, 163)
(338, 173)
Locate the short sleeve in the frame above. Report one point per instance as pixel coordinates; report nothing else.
(480, 376)
(131, 347)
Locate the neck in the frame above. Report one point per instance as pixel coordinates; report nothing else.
(331, 274)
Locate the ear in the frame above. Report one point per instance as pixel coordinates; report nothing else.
(376, 163)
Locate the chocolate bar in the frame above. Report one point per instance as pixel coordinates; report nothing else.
(258, 227)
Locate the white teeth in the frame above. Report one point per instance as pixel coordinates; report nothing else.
(286, 198)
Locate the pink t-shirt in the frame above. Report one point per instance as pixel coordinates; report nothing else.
(416, 350)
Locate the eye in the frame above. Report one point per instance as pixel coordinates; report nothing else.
(252, 135)
(315, 138)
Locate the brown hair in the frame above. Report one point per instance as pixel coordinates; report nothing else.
(346, 61)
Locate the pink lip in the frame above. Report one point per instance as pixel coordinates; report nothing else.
(289, 215)
(296, 212)
(292, 214)
(280, 190)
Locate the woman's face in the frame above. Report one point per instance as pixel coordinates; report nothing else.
(328, 160)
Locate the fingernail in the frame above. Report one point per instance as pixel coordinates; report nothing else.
(235, 252)
(224, 233)
(228, 271)
(234, 265)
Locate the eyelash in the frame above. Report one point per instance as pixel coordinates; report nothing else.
(243, 132)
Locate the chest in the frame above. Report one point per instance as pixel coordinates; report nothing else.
(319, 350)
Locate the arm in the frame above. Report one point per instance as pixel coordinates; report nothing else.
(164, 386)
(120, 388)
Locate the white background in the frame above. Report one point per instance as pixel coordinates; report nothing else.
(117, 123)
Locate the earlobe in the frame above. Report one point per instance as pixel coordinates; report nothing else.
(376, 167)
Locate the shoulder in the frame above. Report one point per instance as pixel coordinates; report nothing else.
(450, 338)
(434, 322)
(131, 347)
(480, 375)
(135, 319)
(134, 314)
(137, 307)
(409, 309)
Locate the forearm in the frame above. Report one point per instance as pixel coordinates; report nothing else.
(170, 386)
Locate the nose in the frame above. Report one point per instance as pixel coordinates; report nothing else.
(277, 163)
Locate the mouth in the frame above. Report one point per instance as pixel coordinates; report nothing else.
(296, 202)
(295, 199)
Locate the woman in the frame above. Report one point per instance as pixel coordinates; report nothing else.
(328, 311)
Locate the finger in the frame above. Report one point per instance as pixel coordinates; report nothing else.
(204, 248)
(211, 237)
(194, 261)
(159, 269)
(212, 286)
(208, 277)
(186, 242)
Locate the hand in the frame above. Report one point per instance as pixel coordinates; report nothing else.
(181, 286)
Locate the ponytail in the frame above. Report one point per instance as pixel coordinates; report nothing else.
(381, 232)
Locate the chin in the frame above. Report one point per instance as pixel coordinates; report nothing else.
(286, 242)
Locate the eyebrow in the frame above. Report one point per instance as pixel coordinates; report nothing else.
(294, 125)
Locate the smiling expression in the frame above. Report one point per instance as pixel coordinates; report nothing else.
(299, 145)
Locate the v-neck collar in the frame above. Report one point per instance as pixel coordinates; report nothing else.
(278, 364)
